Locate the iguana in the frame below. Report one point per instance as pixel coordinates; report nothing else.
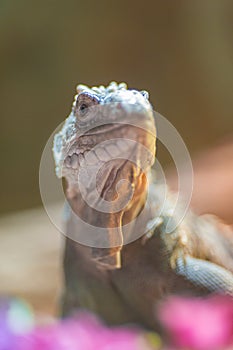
(105, 152)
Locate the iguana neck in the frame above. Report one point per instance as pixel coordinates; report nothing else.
(109, 258)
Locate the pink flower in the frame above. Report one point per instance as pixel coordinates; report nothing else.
(198, 323)
(85, 332)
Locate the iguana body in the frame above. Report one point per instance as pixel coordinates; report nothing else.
(124, 282)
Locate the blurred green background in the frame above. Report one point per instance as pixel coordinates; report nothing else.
(180, 51)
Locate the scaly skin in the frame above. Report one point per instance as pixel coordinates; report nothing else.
(124, 282)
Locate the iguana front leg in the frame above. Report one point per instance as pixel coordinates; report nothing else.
(206, 274)
(201, 250)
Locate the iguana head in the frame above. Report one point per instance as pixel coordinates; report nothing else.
(104, 150)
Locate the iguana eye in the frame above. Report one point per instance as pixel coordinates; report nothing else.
(83, 109)
(84, 101)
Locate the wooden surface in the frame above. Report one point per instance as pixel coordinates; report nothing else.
(30, 253)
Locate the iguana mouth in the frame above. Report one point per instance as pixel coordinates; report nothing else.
(103, 129)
